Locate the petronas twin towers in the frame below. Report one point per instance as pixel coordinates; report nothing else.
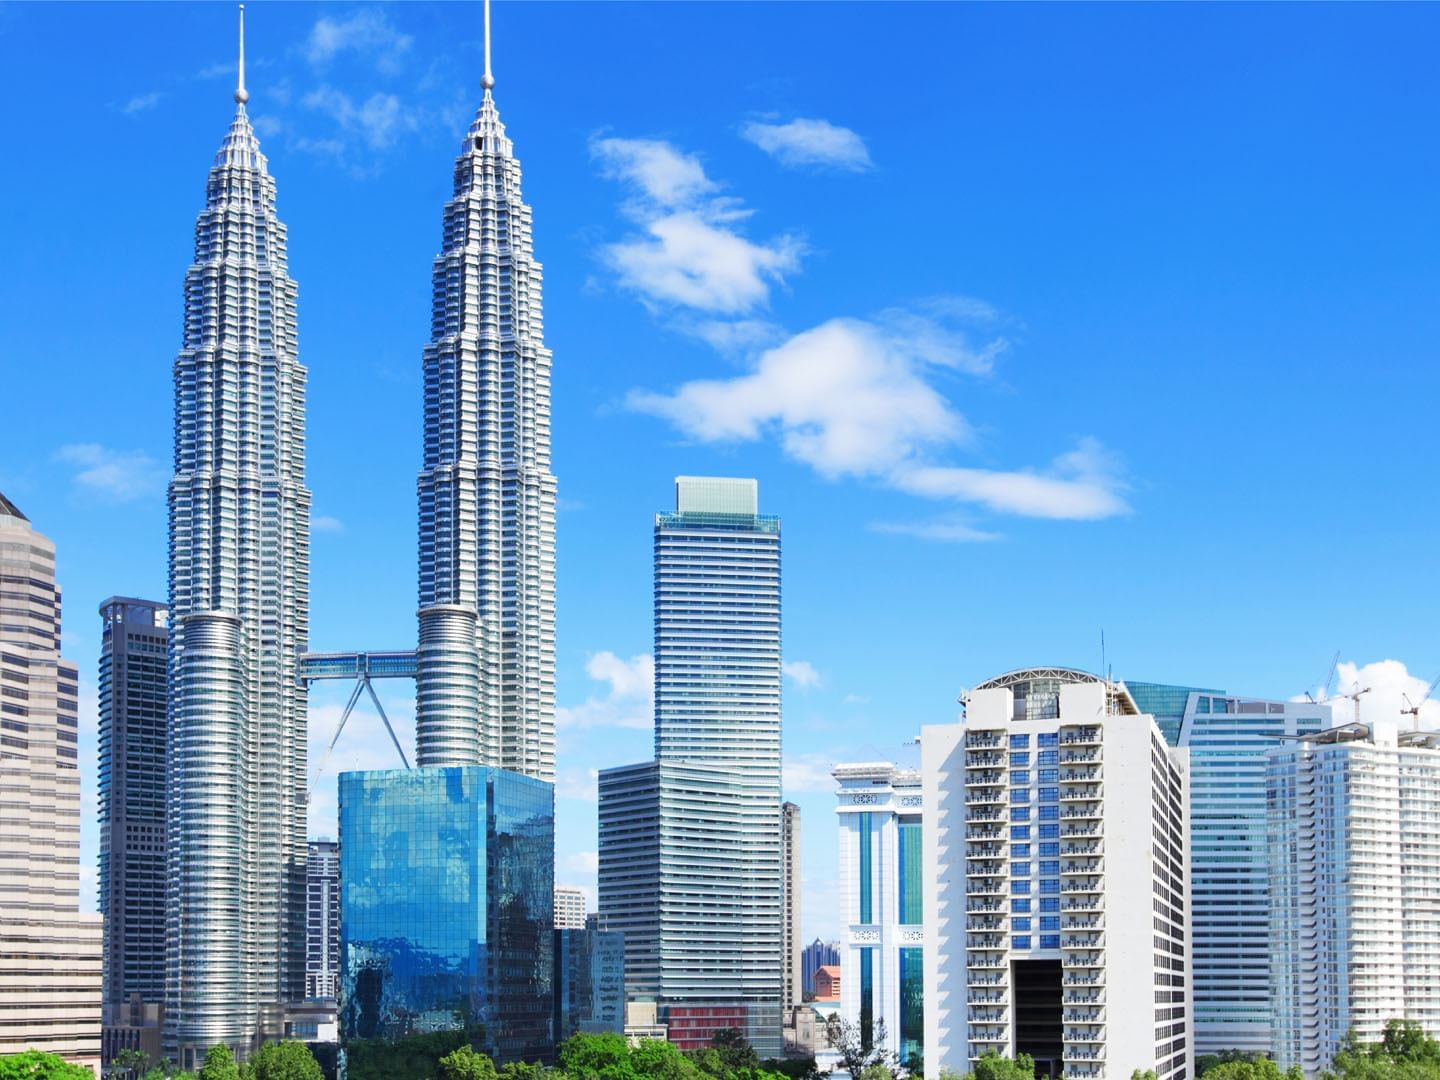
(240, 564)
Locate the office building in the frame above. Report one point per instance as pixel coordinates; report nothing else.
(447, 892)
(690, 844)
(1227, 738)
(827, 985)
(569, 907)
(1056, 873)
(485, 667)
(790, 942)
(134, 643)
(322, 919)
(1354, 882)
(815, 956)
(239, 620)
(50, 953)
(589, 981)
(882, 975)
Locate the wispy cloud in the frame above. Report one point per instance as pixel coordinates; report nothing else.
(115, 476)
(802, 673)
(141, 103)
(690, 252)
(629, 701)
(380, 119)
(803, 142)
(951, 532)
(366, 32)
(326, 524)
(862, 398)
(808, 773)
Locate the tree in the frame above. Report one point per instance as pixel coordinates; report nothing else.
(604, 1056)
(521, 1070)
(1205, 1062)
(127, 1064)
(656, 1059)
(856, 1052)
(734, 1049)
(995, 1066)
(466, 1064)
(219, 1064)
(288, 1060)
(37, 1065)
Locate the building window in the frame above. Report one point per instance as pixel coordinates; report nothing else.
(1019, 924)
(1049, 941)
(1019, 851)
(1020, 761)
(1047, 757)
(865, 914)
(1019, 813)
(1020, 907)
(1048, 738)
(1049, 922)
(1020, 888)
(867, 998)
(1021, 869)
(1019, 742)
(1049, 832)
(1019, 832)
(1023, 941)
(912, 1008)
(1049, 903)
(911, 902)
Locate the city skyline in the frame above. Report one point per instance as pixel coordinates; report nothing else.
(1274, 636)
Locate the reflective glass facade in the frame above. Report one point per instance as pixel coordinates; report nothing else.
(912, 1005)
(911, 909)
(446, 907)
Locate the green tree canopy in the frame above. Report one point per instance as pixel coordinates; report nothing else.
(603, 1056)
(288, 1060)
(37, 1065)
(995, 1066)
(465, 1064)
(219, 1064)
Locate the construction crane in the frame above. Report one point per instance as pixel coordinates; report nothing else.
(1353, 697)
(1412, 708)
(1325, 686)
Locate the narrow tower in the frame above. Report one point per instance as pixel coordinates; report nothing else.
(485, 676)
(239, 604)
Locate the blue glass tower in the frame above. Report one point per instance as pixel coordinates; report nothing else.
(446, 907)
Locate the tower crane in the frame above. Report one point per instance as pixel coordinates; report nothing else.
(1412, 708)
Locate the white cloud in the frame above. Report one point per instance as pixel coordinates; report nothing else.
(379, 120)
(859, 398)
(141, 103)
(802, 673)
(690, 253)
(364, 744)
(113, 475)
(845, 398)
(804, 142)
(326, 524)
(1390, 691)
(943, 531)
(807, 773)
(366, 32)
(629, 702)
(576, 783)
(1082, 484)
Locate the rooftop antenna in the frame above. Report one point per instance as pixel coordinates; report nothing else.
(241, 94)
(487, 80)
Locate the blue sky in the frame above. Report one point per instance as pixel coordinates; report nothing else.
(1032, 321)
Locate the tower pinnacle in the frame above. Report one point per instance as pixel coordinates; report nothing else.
(487, 81)
(241, 94)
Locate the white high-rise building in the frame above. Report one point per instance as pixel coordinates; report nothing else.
(485, 666)
(690, 844)
(790, 859)
(1354, 888)
(1056, 875)
(569, 907)
(1227, 738)
(322, 936)
(239, 618)
(49, 950)
(882, 885)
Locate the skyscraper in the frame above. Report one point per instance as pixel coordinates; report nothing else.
(690, 844)
(1057, 874)
(790, 860)
(1227, 739)
(485, 666)
(569, 907)
(133, 648)
(882, 904)
(322, 919)
(239, 609)
(1354, 877)
(447, 908)
(49, 951)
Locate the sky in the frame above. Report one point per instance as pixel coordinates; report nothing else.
(1034, 323)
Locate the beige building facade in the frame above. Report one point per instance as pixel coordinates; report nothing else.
(49, 952)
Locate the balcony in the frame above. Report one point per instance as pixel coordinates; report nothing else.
(1081, 978)
(1083, 1035)
(1080, 811)
(987, 888)
(1083, 997)
(1079, 757)
(1090, 958)
(1083, 1053)
(985, 814)
(984, 759)
(985, 795)
(985, 960)
(987, 777)
(1093, 865)
(984, 740)
(980, 1014)
(1082, 905)
(1088, 941)
(1081, 791)
(976, 905)
(1094, 923)
(986, 997)
(1082, 885)
(1084, 847)
(992, 942)
(985, 868)
(977, 978)
(1082, 830)
(1080, 736)
(1094, 1016)
(983, 832)
(1084, 774)
(985, 849)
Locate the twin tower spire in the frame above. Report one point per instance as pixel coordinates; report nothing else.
(487, 81)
